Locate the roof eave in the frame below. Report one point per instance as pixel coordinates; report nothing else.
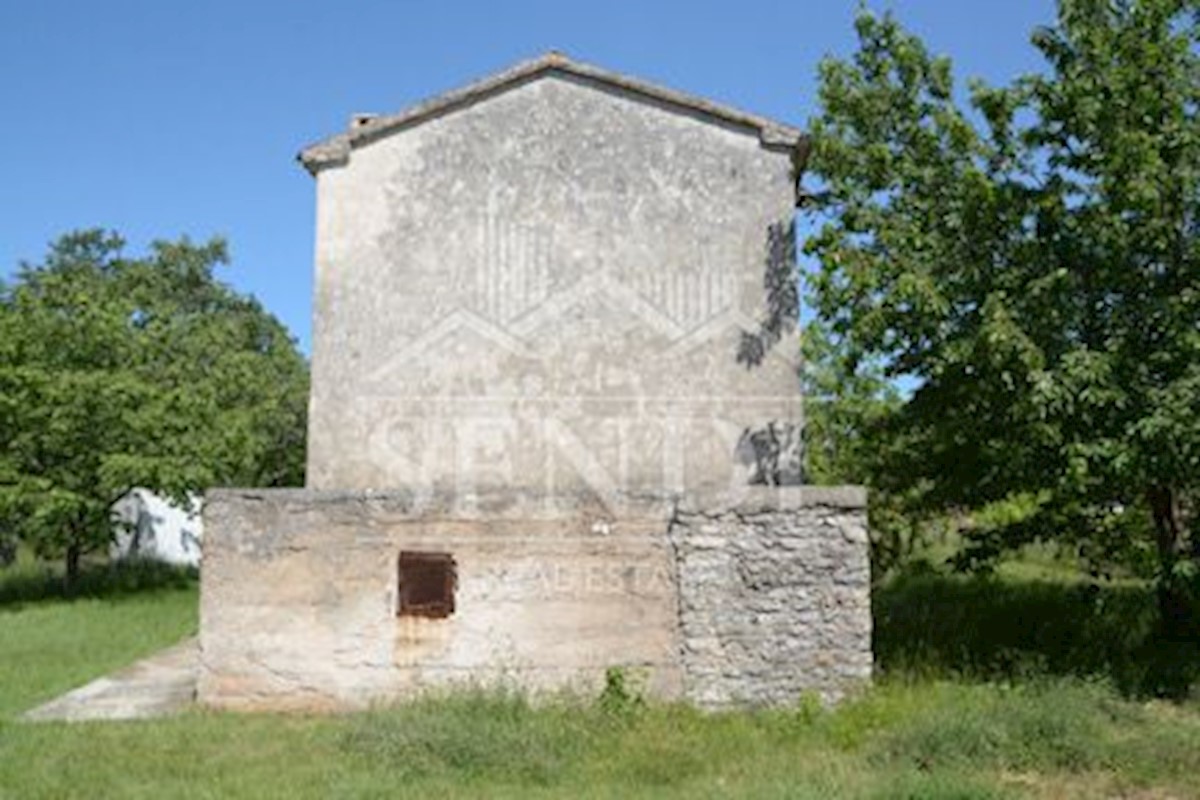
(335, 151)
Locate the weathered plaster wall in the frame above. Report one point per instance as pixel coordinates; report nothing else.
(299, 600)
(719, 602)
(547, 289)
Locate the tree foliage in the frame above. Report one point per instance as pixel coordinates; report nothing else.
(120, 372)
(1029, 260)
(847, 405)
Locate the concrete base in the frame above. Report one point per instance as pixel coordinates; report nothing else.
(163, 684)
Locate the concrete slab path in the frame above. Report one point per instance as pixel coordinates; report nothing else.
(161, 684)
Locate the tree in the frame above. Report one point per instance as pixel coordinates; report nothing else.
(847, 407)
(1030, 263)
(119, 372)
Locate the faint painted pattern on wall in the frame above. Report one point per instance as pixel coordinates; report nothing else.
(578, 270)
(515, 274)
(705, 285)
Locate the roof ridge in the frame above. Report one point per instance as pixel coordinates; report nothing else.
(364, 129)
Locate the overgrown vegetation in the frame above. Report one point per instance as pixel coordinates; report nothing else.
(989, 628)
(1028, 263)
(29, 580)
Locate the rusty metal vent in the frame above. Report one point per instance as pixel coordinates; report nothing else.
(427, 582)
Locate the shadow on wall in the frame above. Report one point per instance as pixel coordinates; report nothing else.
(774, 453)
(782, 293)
(991, 629)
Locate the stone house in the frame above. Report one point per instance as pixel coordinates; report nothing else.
(554, 417)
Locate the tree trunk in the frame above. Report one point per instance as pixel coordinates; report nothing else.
(1174, 608)
(71, 578)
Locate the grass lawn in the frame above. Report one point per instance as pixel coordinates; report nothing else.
(1009, 688)
(49, 644)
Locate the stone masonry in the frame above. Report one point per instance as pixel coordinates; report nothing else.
(774, 596)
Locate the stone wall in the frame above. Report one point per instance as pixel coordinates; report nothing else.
(720, 603)
(774, 596)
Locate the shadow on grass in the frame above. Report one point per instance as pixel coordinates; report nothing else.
(33, 582)
(992, 629)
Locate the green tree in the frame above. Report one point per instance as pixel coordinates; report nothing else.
(1030, 262)
(848, 404)
(121, 372)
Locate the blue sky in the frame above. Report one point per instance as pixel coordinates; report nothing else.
(162, 118)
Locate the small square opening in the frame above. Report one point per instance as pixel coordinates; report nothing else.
(426, 583)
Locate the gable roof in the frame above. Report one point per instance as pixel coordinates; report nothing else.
(336, 149)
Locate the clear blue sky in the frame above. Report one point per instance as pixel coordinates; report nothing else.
(162, 118)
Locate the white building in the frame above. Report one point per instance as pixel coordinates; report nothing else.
(157, 528)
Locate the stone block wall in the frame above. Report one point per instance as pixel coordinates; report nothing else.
(774, 596)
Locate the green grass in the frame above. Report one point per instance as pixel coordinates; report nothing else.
(990, 689)
(1006, 628)
(50, 643)
(934, 739)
